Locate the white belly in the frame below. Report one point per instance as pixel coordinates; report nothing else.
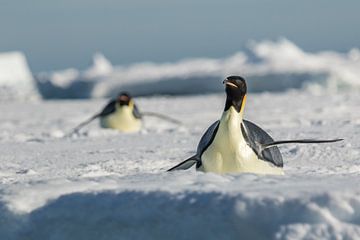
(122, 119)
(229, 153)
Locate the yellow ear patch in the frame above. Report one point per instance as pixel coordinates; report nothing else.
(131, 103)
(243, 103)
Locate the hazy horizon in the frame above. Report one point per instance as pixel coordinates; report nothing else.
(58, 35)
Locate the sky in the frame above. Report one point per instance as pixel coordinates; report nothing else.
(61, 34)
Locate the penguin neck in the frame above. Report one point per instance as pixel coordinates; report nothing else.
(231, 118)
(235, 102)
(123, 108)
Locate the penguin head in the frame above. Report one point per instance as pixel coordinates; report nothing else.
(124, 99)
(235, 88)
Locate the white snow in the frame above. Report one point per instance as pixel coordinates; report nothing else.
(102, 184)
(16, 81)
(268, 65)
(101, 67)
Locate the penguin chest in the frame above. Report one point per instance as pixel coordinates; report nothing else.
(230, 153)
(122, 119)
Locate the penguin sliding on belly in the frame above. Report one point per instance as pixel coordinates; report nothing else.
(233, 145)
(122, 114)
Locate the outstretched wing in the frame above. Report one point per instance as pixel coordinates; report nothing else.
(204, 143)
(188, 163)
(161, 116)
(304, 141)
(255, 138)
(136, 112)
(207, 138)
(108, 109)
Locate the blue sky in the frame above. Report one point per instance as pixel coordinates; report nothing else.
(57, 35)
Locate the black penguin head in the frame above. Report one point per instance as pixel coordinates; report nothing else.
(124, 98)
(235, 88)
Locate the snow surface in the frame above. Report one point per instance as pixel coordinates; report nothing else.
(102, 184)
(16, 81)
(270, 66)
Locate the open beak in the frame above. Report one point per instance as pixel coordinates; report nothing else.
(227, 82)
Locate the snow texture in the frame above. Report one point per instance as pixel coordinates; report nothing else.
(269, 66)
(16, 81)
(101, 184)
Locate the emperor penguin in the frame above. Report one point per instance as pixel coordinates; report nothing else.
(235, 145)
(122, 114)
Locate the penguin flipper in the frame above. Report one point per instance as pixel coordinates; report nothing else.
(81, 125)
(304, 141)
(188, 163)
(204, 143)
(207, 138)
(136, 112)
(161, 116)
(108, 109)
(256, 138)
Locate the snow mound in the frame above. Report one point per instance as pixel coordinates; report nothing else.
(101, 67)
(103, 184)
(269, 66)
(149, 211)
(16, 81)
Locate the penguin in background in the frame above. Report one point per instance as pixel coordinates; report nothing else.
(234, 145)
(122, 114)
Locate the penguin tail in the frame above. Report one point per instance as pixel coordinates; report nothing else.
(188, 163)
(301, 141)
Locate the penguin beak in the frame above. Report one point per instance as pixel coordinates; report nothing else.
(228, 83)
(235, 95)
